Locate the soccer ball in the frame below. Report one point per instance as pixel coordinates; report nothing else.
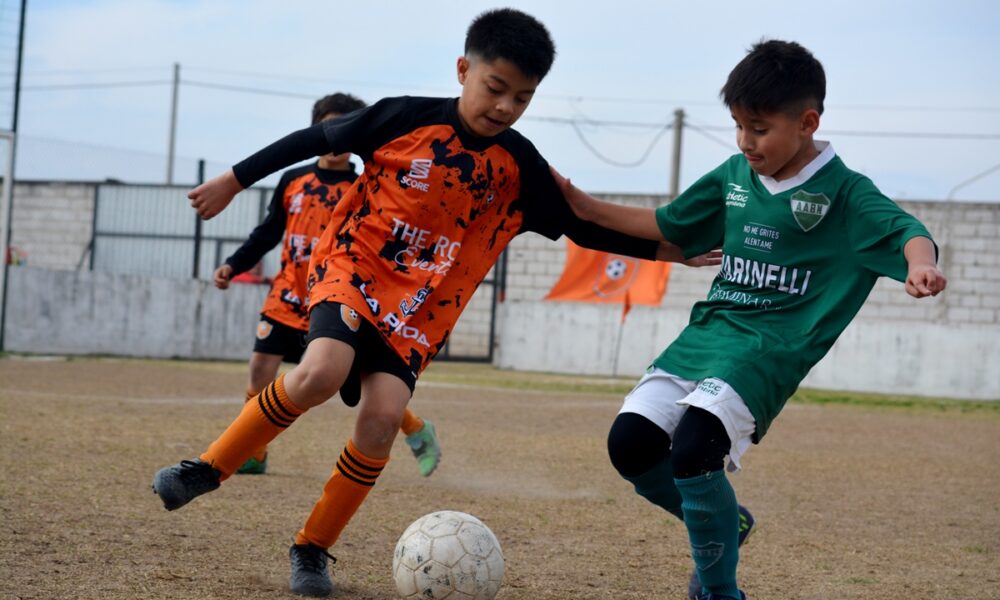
(448, 555)
(615, 269)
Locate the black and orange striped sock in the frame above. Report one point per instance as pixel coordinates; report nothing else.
(260, 421)
(260, 453)
(352, 479)
(411, 423)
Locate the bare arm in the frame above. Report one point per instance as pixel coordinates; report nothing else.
(630, 220)
(923, 278)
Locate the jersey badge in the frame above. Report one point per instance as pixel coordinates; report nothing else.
(809, 209)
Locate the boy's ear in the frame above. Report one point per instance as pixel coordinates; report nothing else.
(809, 121)
(462, 69)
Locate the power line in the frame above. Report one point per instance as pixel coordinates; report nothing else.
(83, 86)
(246, 89)
(597, 153)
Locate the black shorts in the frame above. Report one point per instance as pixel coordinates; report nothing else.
(372, 353)
(277, 338)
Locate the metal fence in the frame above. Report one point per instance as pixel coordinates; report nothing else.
(151, 230)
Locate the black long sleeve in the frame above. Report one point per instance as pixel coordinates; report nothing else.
(294, 147)
(593, 236)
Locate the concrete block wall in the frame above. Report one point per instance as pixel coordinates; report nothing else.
(52, 223)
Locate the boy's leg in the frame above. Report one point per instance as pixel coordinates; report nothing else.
(263, 370)
(701, 442)
(639, 440)
(361, 462)
(316, 379)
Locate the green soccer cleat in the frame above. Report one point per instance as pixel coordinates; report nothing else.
(425, 447)
(253, 466)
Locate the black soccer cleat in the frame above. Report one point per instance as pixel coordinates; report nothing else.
(309, 574)
(185, 481)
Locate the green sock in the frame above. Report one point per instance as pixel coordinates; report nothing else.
(657, 485)
(713, 525)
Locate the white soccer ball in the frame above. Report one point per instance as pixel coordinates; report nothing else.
(615, 269)
(448, 555)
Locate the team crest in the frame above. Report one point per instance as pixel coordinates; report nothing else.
(263, 330)
(809, 209)
(350, 317)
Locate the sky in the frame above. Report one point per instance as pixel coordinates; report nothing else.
(913, 88)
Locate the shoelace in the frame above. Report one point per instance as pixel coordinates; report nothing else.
(310, 558)
(194, 470)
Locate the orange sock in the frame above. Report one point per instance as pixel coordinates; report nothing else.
(411, 423)
(260, 421)
(260, 453)
(343, 493)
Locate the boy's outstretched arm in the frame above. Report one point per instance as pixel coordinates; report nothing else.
(211, 197)
(630, 220)
(923, 278)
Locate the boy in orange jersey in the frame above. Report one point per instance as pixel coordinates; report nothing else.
(299, 211)
(447, 184)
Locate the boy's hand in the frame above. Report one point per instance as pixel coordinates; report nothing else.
(580, 201)
(211, 197)
(671, 253)
(222, 276)
(712, 258)
(924, 280)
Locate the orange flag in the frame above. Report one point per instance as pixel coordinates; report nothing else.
(592, 276)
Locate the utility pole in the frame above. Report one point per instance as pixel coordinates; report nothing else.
(173, 124)
(675, 167)
(6, 227)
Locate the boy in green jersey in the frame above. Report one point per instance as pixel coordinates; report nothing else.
(804, 239)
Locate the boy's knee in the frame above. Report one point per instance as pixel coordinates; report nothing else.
(700, 444)
(316, 384)
(636, 444)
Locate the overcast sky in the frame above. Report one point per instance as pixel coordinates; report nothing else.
(894, 69)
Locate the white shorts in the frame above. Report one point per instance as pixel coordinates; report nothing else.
(662, 398)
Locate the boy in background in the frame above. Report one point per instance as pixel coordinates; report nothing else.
(299, 212)
(804, 239)
(447, 184)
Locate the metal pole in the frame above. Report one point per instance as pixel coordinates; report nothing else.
(173, 124)
(675, 167)
(8, 186)
(197, 225)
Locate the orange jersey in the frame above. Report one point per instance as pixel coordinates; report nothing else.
(416, 234)
(299, 211)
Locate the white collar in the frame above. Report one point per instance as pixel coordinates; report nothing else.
(825, 155)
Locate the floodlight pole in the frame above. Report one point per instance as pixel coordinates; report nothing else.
(8, 183)
(172, 138)
(675, 166)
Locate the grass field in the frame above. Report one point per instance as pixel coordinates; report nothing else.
(857, 496)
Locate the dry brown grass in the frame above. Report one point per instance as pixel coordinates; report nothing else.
(853, 502)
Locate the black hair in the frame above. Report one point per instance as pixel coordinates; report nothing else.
(338, 103)
(512, 35)
(776, 76)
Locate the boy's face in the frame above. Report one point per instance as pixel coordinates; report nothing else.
(776, 144)
(494, 94)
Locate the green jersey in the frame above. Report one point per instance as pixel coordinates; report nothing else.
(797, 266)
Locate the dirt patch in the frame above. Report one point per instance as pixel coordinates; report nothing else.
(854, 502)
